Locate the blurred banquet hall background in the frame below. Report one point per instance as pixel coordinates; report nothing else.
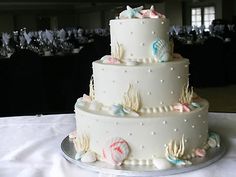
(47, 47)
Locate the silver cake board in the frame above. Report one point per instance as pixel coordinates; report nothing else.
(69, 152)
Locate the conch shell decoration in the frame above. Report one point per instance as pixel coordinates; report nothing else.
(131, 99)
(174, 153)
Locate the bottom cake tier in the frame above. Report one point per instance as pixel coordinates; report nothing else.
(147, 136)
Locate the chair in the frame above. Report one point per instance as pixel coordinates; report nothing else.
(25, 83)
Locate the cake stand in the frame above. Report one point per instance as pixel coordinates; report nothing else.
(68, 151)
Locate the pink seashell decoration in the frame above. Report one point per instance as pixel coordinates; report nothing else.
(151, 13)
(108, 59)
(87, 98)
(115, 151)
(182, 107)
(200, 152)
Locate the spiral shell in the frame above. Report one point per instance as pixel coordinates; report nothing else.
(115, 151)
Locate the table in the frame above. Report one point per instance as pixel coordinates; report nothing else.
(30, 147)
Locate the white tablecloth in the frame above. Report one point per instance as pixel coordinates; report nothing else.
(30, 147)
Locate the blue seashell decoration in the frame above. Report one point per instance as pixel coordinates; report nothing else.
(118, 110)
(160, 50)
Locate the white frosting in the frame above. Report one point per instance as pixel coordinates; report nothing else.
(136, 36)
(159, 85)
(147, 136)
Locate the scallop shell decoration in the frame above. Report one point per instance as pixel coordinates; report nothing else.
(115, 151)
(161, 50)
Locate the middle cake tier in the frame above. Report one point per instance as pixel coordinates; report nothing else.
(158, 85)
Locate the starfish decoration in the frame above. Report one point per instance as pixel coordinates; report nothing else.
(151, 13)
(131, 12)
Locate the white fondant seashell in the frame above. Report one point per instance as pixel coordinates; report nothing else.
(72, 135)
(79, 154)
(214, 136)
(131, 63)
(212, 142)
(161, 164)
(115, 151)
(80, 102)
(130, 112)
(95, 106)
(89, 157)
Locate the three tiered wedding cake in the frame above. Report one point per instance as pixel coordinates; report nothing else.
(140, 109)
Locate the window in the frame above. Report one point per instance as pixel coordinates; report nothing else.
(209, 15)
(196, 17)
(202, 16)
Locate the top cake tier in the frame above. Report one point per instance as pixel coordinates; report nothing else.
(143, 39)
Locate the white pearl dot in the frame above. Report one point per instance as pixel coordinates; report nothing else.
(161, 102)
(171, 92)
(142, 44)
(164, 122)
(142, 147)
(149, 93)
(199, 115)
(185, 140)
(179, 77)
(165, 145)
(161, 80)
(193, 126)
(149, 70)
(204, 122)
(141, 123)
(186, 66)
(153, 32)
(200, 136)
(176, 129)
(162, 22)
(171, 68)
(153, 133)
(185, 120)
